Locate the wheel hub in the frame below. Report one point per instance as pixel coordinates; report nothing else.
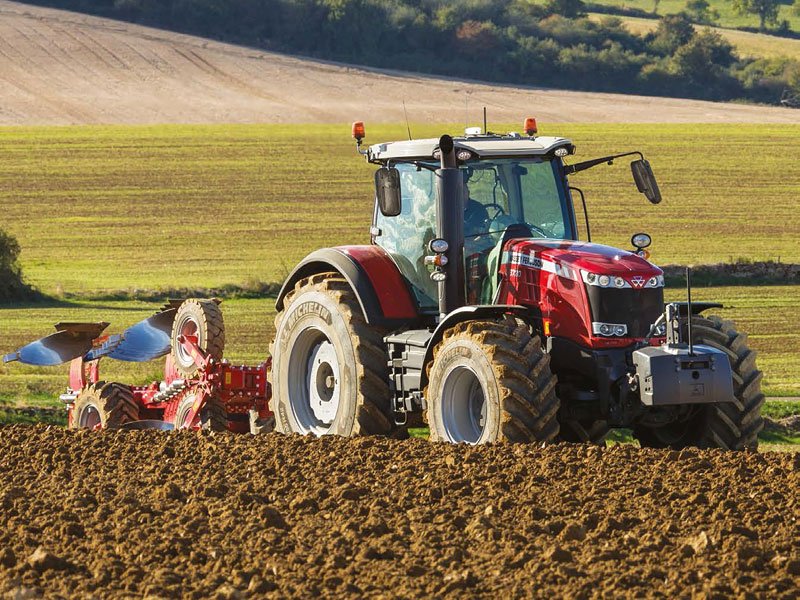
(90, 418)
(463, 405)
(322, 382)
(185, 407)
(188, 329)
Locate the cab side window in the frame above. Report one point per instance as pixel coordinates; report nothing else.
(406, 236)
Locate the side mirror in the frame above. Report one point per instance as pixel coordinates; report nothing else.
(645, 180)
(387, 189)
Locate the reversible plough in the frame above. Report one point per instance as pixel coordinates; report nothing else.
(200, 389)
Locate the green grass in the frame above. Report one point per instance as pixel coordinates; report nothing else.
(727, 16)
(778, 409)
(12, 416)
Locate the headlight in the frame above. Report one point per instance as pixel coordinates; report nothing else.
(603, 280)
(655, 281)
(610, 329)
(619, 282)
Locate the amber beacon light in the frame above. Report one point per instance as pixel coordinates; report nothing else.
(530, 126)
(358, 131)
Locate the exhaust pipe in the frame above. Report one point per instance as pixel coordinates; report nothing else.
(450, 226)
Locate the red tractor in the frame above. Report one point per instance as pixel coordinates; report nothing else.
(475, 308)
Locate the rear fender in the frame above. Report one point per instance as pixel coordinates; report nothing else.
(381, 291)
(468, 313)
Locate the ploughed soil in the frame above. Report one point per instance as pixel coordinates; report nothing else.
(122, 514)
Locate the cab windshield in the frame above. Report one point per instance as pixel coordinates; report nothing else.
(526, 193)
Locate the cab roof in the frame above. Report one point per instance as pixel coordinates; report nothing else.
(482, 146)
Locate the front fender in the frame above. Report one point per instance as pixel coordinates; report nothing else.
(468, 313)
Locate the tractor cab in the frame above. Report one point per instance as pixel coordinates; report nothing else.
(508, 186)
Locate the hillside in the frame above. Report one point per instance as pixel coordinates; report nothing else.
(747, 43)
(59, 67)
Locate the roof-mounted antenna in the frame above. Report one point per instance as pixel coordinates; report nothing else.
(408, 127)
(466, 110)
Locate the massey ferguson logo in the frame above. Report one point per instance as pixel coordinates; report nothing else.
(637, 281)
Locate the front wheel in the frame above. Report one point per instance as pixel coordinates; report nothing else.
(731, 425)
(490, 381)
(330, 367)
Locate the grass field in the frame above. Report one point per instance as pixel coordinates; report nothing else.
(103, 209)
(727, 16)
(110, 208)
(747, 44)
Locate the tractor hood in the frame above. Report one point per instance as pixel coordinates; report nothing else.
(568, 258)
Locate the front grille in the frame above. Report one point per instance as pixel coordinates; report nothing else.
(638, 309)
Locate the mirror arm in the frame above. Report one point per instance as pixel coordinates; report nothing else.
(585, 212)
(588, 164)
(420, 165)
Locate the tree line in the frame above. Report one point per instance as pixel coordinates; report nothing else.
(510, 41)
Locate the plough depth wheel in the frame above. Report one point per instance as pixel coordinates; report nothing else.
(104, 406)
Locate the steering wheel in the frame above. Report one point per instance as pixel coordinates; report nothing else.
(496, 226)
(499, 211)
(540, 230)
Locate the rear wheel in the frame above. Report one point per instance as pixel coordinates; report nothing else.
(329, 371)
(104, 406)
(731, 425)
(490, 381)
(202, 320)
(212, 416)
